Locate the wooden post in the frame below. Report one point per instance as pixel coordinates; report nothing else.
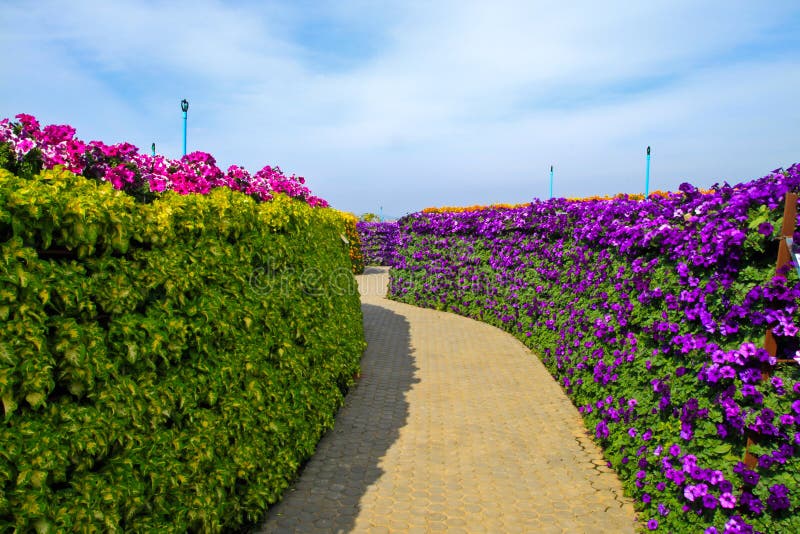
(770, 343)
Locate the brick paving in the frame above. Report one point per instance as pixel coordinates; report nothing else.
(454, 426)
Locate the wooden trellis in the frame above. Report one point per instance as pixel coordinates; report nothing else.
(770, 343)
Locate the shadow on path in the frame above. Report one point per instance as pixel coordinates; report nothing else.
(374, 269)
(347, 461)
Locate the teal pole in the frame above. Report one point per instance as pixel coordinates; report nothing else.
(153, 147)
(381, 216)
(551, 181)
(185, 109)
(647, 176)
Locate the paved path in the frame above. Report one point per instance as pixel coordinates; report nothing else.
(454, 426)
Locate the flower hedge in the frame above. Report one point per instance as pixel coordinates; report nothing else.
(651, 315)
(26, 148)
(353, 238)
(378, 241)
(165, 366)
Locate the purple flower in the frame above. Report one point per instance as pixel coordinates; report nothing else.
(692, 492)
(752, 503)
(750, 477)
(652, 524)
(765, 461)
(778, 498)
(727, 500)
(601, 430)
(709, 501)
(736, 524)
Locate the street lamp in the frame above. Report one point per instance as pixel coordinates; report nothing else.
(647, 176)
(185, 109)
(551, 181)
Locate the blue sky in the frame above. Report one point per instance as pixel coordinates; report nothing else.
(409, 104)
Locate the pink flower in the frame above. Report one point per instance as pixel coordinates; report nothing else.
(28, 122)
(24, 146)
(727, 500)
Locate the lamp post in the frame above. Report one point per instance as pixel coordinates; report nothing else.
(381, 216)
(647, 176)
(185, 109)
(153, 148)
(551, 181)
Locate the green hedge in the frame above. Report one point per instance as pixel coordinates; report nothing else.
(354, 241)
(166, 366)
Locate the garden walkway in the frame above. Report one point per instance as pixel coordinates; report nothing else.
(454, 426)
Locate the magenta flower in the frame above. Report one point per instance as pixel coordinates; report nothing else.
(125, 168)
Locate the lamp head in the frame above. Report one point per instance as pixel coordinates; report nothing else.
(648, 151)
(184, 105)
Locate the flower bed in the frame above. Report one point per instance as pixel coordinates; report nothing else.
(651, 315)
(378, 241)
(26, 148)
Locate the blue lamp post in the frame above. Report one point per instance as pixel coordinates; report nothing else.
(647, 176)
(381, 216)
(551, 181)
(185, 109)
(153, 147)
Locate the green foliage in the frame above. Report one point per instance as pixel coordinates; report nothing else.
(353, 240)
(166, 366)
(29, 166)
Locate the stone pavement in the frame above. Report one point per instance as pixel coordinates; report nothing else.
(454, 426)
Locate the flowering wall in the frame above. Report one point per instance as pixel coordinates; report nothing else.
(26, 148)
(378, 241)
(164, 366)
(353, 238)
(651, 315)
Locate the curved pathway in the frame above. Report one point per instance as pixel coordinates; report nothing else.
(453, 426)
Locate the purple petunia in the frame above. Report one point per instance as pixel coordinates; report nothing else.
(778, 498)
(727, 500)
(710, 501)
